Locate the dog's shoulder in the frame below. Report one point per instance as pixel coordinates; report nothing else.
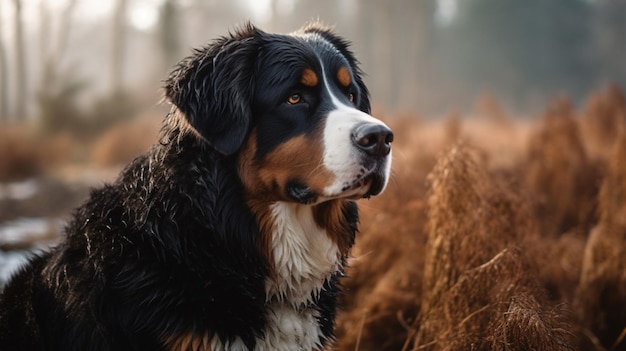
(169, 229)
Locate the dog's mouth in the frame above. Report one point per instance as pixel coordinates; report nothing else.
(367, 185)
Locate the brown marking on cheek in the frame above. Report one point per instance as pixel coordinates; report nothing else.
(330, 216)
(309, 78)
(264, 180)
(247, 167)
(343, 76)
(300, 159)
(188, 342)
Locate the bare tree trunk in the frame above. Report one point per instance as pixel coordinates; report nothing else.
(4, 80)
(53, 48)
(377, 59)
(118, 44)
(20, 64)
(168, 33)
(412, 39)
(45, 34)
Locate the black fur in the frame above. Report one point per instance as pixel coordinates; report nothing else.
(222, 73)
(163, 250)
(363, 101)
(171, 247)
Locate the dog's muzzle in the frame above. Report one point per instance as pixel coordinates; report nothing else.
(374, 142)
(373, 139)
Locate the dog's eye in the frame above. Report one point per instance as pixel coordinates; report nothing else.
(294, 99)
(351, 97)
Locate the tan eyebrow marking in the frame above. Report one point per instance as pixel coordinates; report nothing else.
(309, 78)
(343, 75)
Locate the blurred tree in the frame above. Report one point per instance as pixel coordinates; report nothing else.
(396, 50)
(4, 79)
(118, 46)
(610, 38)
(378, 54)
(412, 25)
(205, 20)
(521, 51)
(58, 89)
(20, 63)
(52, 54)
(532, 48)
(168, 35)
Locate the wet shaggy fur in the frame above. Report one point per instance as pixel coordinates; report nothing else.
(181, 252)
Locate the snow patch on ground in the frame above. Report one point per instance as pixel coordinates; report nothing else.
(11, 262)
(19, 190)
(29, 234)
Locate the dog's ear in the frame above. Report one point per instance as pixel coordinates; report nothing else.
(214, 87)
(343, 46)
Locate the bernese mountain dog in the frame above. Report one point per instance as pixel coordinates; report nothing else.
(232, 232)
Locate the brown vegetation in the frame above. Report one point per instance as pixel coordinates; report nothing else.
(24, 153)
(479, 291)
(125, 141)
(601, 296)
(493, 234)
(509, 244)
(561, 179)
(604, 115)
(28, 151)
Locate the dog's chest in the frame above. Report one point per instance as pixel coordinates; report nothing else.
(304, 256)
(287, 329)
(304, 259)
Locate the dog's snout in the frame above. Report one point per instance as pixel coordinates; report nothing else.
(374, 139)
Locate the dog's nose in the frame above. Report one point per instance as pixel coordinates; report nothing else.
(374, 139)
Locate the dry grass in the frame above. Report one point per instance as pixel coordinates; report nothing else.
(603, 117)
(25, 153)
(601, 296)
(562, 180)
(125, 141)
(479, 291)
(496, 250)
(515, 241)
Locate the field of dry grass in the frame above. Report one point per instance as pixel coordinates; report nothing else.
(495, 233)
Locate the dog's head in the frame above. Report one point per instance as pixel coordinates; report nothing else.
(293, 109)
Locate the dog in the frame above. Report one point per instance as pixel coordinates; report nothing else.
(233, 231)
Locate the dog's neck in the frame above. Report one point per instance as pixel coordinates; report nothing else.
(304, 247)
(302, 253)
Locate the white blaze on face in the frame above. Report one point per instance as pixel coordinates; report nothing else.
(340, 154)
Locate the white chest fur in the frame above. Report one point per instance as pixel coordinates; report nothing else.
(288, 329)
(304, 256)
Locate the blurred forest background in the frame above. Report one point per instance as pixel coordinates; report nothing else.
(504, 224)
(65, 62)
